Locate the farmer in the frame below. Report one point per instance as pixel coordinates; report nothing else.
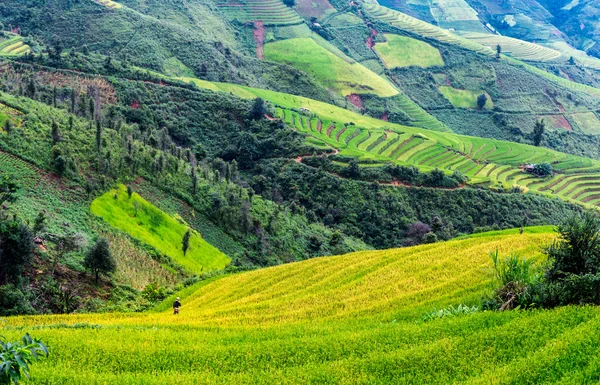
(176, 306)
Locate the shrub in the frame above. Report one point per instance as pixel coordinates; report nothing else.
(515, 276)
(13, 301)
(16, 249)
(542, 169)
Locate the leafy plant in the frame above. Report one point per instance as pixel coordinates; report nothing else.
(450, 311)
(15, 358)
(515, 275)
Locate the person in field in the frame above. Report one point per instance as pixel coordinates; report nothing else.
(176, 306)
(521, 230)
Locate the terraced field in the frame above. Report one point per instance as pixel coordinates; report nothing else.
(351, 319)
(486, 162)
(270, 12)
(516, 48)
(333, 69)
(422, 28)
(402, 51)
(13, 46)
(109, 4)
(419, 27)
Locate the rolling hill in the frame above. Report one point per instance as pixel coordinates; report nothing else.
(349, 319)
(486, 162)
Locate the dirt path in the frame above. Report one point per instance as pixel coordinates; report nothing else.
(259, 39)
(298, 159)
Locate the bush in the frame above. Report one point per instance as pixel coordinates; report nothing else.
(515, 276)
(542, 169)
(13, 301)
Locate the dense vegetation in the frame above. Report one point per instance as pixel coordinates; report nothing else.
(347, 319)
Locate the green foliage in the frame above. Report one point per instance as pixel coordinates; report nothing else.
(185, 243)
(16, 357)
(16, 249)
(543, 169)
(14, 302)
(538, 132)
(481, 101)
(381, 215)
(514, 276)
(450, 311)
(146, 222)
(99, 259)
(577, 250)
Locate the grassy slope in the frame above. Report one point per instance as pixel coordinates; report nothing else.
(352, 319)
(464, 98)
(144, 221)
(486, 161)
(401, 51)
(333, 71)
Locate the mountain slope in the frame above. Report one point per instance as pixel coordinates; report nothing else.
(348, 319)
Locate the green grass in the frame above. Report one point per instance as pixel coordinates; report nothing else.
(464, 98)
(587, 121)
(339, 73)
(402, 51)
(145, 222)
(352, 319)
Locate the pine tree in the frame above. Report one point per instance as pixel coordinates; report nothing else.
(185, 242)
(55, 133)
(7, 126)
(538, 132)
(98, 135)
(99, 259)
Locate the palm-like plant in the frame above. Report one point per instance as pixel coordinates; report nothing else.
(15, 358)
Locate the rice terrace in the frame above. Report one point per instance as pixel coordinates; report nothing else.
(299, 192)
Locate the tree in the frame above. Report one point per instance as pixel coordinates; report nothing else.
(7, 126)
(8, 189)
(99, 259)
(353, 170)
(571, 61)
(55, 133)
(60, 163)
(538, 132)
(98, 135)
(542, 169)
(258, 109)
(16, 249)
(185, 242)
(39, 224)
(498, 51)
(129, 191)
(16, 357)
(481, 101)
(289, 3)
(577, 249)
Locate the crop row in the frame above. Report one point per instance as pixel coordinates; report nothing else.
(13, 47)
(271, 12)
(516, 48)
(422, 28)
(109, 4)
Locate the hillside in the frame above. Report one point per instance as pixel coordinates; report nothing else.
(347, 319)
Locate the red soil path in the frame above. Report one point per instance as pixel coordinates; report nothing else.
(356, 100)
(259, 39)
